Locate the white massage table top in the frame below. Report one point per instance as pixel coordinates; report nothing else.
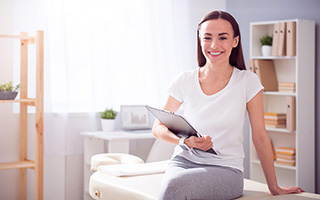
(147, 187)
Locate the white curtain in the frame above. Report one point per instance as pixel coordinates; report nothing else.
(102, 54)
(108, 53)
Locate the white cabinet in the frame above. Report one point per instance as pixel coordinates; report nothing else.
(299, 69)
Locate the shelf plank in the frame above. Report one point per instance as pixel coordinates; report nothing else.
(282, 130)
(17, 165)
(29, 101)
(17, 37)
(280, 93)
(273, 57)
(276, 165)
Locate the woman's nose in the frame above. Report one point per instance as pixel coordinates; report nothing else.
(214, 43)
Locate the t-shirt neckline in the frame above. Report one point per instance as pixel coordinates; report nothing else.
(220, 91)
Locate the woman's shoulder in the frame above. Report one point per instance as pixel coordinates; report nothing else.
(190, 72)
(245, 74)
(187, 74)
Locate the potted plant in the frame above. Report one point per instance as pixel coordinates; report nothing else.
(8, 91)
(108, 119)
(266, 45)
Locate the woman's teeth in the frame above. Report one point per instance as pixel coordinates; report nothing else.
(215, 53)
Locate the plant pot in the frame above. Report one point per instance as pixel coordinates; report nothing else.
(107, 125)
(266, 50)
(8, 95)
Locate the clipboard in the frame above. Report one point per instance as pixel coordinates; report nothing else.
(177, 124)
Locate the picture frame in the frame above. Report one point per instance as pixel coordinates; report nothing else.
(135, 117)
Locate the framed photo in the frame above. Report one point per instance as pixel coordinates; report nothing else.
(135, 117)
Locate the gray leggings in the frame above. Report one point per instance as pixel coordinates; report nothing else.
(187, 180)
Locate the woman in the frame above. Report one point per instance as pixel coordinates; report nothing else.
(215, 99)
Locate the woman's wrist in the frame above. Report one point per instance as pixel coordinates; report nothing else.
(274, 189)
(187, 142)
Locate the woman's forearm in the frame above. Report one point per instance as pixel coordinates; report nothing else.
(264, 150)
(163, 133)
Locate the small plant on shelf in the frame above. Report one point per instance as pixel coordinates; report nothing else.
(8, 87)
(8, 91)
(266, 45)
(266, 40)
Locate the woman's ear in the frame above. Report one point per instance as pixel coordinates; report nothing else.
(235, 41)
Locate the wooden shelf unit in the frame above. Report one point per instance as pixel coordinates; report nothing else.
(24, 163)
(299, 69)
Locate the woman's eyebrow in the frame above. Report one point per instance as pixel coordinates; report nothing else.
(223, 34)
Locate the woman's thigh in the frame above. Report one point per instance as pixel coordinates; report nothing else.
(187, 180)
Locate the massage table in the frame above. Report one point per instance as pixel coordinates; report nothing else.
(127, 177)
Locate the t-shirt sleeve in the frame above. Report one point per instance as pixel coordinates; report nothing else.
(253, 85)
(175, 87)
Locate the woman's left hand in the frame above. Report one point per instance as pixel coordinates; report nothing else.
(286, 190)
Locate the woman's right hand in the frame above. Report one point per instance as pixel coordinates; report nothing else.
(204, 143)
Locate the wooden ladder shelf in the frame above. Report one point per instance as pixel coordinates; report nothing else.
(24, 163)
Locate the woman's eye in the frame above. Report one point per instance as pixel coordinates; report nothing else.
(223, 38)
(207, 38)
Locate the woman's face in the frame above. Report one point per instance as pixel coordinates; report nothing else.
(217, 41)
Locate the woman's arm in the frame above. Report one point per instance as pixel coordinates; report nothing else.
(160, 131)
(263, 145)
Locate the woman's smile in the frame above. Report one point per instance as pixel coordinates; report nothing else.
(215, 53)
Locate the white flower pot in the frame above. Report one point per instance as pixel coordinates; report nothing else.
(266, 50)
(107, 125)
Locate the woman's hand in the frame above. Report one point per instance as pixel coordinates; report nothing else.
(286, 190)
(204, 143)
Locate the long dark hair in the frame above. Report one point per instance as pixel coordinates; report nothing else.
(236, 58)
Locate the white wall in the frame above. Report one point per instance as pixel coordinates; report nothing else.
(8, 134)
(63, 173)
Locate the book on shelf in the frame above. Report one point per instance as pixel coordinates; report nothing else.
(286, 162)
(287, 90)
(282, 40)
(291, 113)
(287, 87)
(275, 40)
(287, 84)
(275, 121)
(274, 115)
(266, 72)
(251, 65)
(285, 151)
(273, 151)
(291, 38)
(286, 156)
(275, 126)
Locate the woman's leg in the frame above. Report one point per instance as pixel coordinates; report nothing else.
(188, 180)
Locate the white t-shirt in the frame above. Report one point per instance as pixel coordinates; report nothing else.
(220, 115)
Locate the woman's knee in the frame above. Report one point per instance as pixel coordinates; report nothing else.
(173, 188)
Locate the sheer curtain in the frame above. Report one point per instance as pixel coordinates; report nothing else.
(108, 53)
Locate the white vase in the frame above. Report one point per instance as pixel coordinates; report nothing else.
(107, 125)
(266, 50)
